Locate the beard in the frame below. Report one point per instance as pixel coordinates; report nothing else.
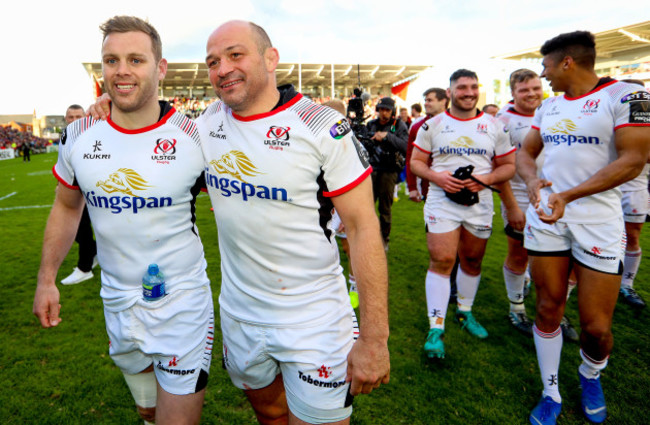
(461, 106)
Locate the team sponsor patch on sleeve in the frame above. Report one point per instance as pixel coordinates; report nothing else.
(340, 129)
(640, 112)
(64, 137)
(636, 97)
(425, 126)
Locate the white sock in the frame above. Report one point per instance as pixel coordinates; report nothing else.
(515, 288)
(437, 289)
(591, 368)
(549, 349)
(467, 288)
(631, 263)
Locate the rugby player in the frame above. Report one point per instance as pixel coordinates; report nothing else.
(594, 138)
(461, 136)
(137, 172)
(277, 163)
(527, 93)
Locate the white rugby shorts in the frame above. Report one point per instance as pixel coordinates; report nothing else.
(596, 246)
(312, 361)
(442, 215)
(175, 334)
(635, 206)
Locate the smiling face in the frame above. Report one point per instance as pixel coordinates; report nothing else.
(464, 93)
(240, 67)
(131, 71)
(527, 95)
(553, 71)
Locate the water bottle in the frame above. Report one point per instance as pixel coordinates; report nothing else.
(153, 284)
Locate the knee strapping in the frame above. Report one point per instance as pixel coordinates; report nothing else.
(143, 388)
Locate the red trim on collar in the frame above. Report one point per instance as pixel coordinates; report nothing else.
(480, 114)
(161, 122)
(269, 113)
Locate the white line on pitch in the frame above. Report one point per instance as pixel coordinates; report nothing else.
(25, 207)
(6, 196)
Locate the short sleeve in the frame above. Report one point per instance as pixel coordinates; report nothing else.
(632, 108)
(345, 160)
(502, 145)
(424, 139)
(63, 170)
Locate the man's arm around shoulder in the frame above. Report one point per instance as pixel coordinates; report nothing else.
(368, 361)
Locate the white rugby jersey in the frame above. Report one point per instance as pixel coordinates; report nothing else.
(137, 186)
(270, 177)
(454, 142)
(640, 182)
(578, 137)
(517, 126)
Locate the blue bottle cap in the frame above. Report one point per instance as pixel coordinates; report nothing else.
(153, 269)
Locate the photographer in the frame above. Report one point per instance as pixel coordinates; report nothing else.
(386, 146)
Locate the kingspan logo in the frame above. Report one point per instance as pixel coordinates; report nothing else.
(236, 164)
(462, 146)
(127, 182)
(562, 131)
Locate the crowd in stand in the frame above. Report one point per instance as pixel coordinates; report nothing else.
(11, 138)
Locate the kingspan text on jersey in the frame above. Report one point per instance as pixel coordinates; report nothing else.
(230, 187)
(119, 203)
(449, 150)
(570, 139)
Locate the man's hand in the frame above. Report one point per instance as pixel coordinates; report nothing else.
(46, 305)
(368, 366)
(414, 196)
(472, 186)
(101, 109)
(516, 218)
(379, 136)
(448, 182)
(556, 203)
(534, 186)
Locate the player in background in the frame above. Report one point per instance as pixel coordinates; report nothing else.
(527, 93)
(458, 212)
(594, 137)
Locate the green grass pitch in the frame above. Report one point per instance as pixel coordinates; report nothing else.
(65, 376)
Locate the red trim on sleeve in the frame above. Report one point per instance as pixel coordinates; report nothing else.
(419, 148)
(287, 105)
(534, 127)
(352, 185)
(63, 182)
(507, 153)
(631, 124)
(144, 129)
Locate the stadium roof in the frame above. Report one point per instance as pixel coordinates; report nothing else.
(193, 76)
(610, 43)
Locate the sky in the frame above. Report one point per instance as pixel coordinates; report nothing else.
(44, 43)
